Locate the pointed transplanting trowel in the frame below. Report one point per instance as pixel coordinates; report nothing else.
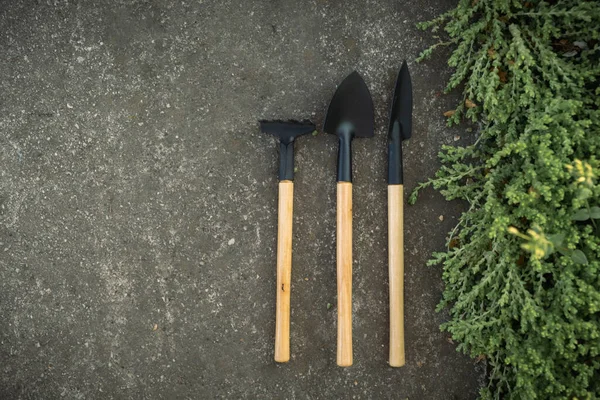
(350, 115)
(287, 132)
(400, 129)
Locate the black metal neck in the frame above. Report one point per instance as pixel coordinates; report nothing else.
(345, 134)
(286, 161)
(395, 173)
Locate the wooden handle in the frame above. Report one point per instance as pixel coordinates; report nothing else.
(284, 271)
(344, 273)
(396, 272)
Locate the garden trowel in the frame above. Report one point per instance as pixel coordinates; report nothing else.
(350, 115)
(400, 128)
(287, 132)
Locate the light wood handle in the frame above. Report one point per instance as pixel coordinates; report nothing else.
(284, 271)
(396, 272)
(344, 273)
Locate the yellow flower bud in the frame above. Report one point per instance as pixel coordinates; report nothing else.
(512, 230)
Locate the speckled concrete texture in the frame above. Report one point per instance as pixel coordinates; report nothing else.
(138, 201)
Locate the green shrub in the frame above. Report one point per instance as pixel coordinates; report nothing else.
(521, 269)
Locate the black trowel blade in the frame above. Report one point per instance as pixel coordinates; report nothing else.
(351, 104)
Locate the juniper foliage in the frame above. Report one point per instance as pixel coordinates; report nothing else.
(521, 269)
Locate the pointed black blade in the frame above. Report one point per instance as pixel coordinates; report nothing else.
(400, 127)
(402, 104)
(351, 103)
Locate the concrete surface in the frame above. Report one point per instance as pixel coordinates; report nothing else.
(138, 201)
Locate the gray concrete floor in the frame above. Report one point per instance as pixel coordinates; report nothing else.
(138, 201)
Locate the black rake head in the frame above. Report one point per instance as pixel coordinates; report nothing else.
(286, 131)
